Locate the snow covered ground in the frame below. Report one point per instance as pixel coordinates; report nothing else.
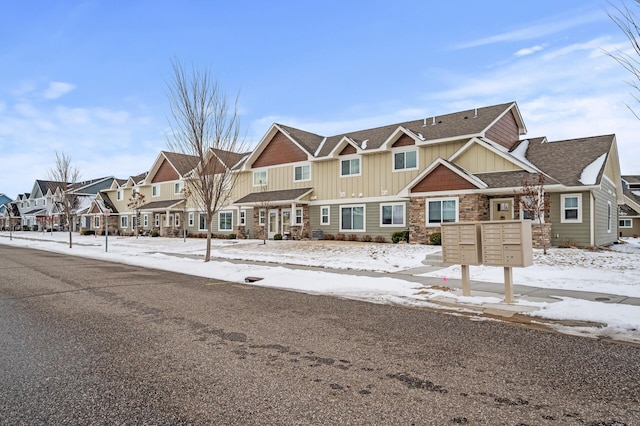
(615, 271)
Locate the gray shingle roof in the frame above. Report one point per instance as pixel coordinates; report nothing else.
(284, 195)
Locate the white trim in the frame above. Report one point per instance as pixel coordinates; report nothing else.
(503, 201)
(155, 188)
(426, 207)
(404, 150)
(328, 222)
(394, 225)
(192, 218)
(266, 177)
(225, 212)
(303, 179)
(563, 197)
(200, 228)
(364, 217)
(349, 158)
(624, 220)
(609, 217)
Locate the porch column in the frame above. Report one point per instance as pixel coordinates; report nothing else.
(292, 217)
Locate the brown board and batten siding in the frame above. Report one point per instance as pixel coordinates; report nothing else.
(165, 173)
(505, 131)
(442, 179)
(404, 140)
(280, 150)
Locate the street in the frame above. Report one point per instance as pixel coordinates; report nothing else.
(84, 341)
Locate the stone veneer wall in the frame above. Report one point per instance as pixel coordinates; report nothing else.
(297, 232)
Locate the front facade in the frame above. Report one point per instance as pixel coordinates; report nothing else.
(366, 185)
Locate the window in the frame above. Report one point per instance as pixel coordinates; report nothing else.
(155, 191)
(145, 220)
(526, 205)
(442, 211)
(225, 221)
(124, 222)
(626, 223)
(203, 222)
(262, 217)
(301, 173)
(260, 178)
(176, 219)
(298, 218)
(134, 222)
(242, 218)
(571, 208)
(44, 202)
(177, 188)
(157, 220)
(608, 216)
(350, 167)
(392, 215)
(324, 215)
(191, 219)
(405, 160)
(119, 194)
(352, 218)
(35, 203)
(96, 221)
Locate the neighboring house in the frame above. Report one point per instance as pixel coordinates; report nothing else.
(6, 211)
(629, 215)
(39, 209)
(464, 166)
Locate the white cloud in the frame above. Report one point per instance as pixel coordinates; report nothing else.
(57, 89)
(529, 50)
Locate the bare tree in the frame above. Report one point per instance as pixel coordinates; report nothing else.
(205, 125)
(534, 202)
(627, 20)
(8, 215)
(66, 200)
(135, 202)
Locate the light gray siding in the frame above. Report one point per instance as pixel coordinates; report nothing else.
(605, 202)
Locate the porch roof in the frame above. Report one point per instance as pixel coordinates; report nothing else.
(35, 212)
(512, 179)
(161, 205)
(279, 196)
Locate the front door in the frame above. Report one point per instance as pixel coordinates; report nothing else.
(502, 209)
(272, 223)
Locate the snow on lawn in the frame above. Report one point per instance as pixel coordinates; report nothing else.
(613, 271)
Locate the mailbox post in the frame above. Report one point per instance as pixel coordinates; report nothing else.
(107, 212)
(461, 246)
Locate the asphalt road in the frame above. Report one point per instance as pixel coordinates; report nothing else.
(88, 342)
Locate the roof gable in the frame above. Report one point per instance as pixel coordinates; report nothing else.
(279, 150)
(440, 176)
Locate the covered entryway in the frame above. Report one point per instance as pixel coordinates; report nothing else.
(502, 208)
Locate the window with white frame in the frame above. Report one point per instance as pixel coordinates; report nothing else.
(191, 218)
(242, 218)
(405, 160)
(392, 214)
(298, 217)
(35, 203)
(177, 187)
(176, 219)
(302, 173)
(352, 218)
(156, 220)
(527, 204)
(608, 216)
(442, 210)
(134, 222)
(119, 194)
(124, 222)
(325, 215)
(626, 223)
(44, 202)
(350, 167)
(262, 217)
(260, 178)
(155, 190)
(145, 220)
(571, 208)
(203, 222)
(96, 221)
(225, 221)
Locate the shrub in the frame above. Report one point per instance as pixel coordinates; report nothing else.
(328, 237)
(568, 243)
(277, 237)
(340, 237)
(381, 239)
(367, 238)
(435, 239)
(352, 237)
(398, 236)
(232, 236)
(155, 234)
(88, 232)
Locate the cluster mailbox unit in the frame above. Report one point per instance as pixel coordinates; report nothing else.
(505, 243)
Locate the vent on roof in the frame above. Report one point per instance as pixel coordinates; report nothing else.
(424, 124)
(475, 113)
(433, 122)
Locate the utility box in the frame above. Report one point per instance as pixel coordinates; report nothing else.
(461, 243)
(507, 243)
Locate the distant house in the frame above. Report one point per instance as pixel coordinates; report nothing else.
(464, 166)
(629, 215)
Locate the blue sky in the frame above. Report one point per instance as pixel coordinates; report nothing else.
(89, 77)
